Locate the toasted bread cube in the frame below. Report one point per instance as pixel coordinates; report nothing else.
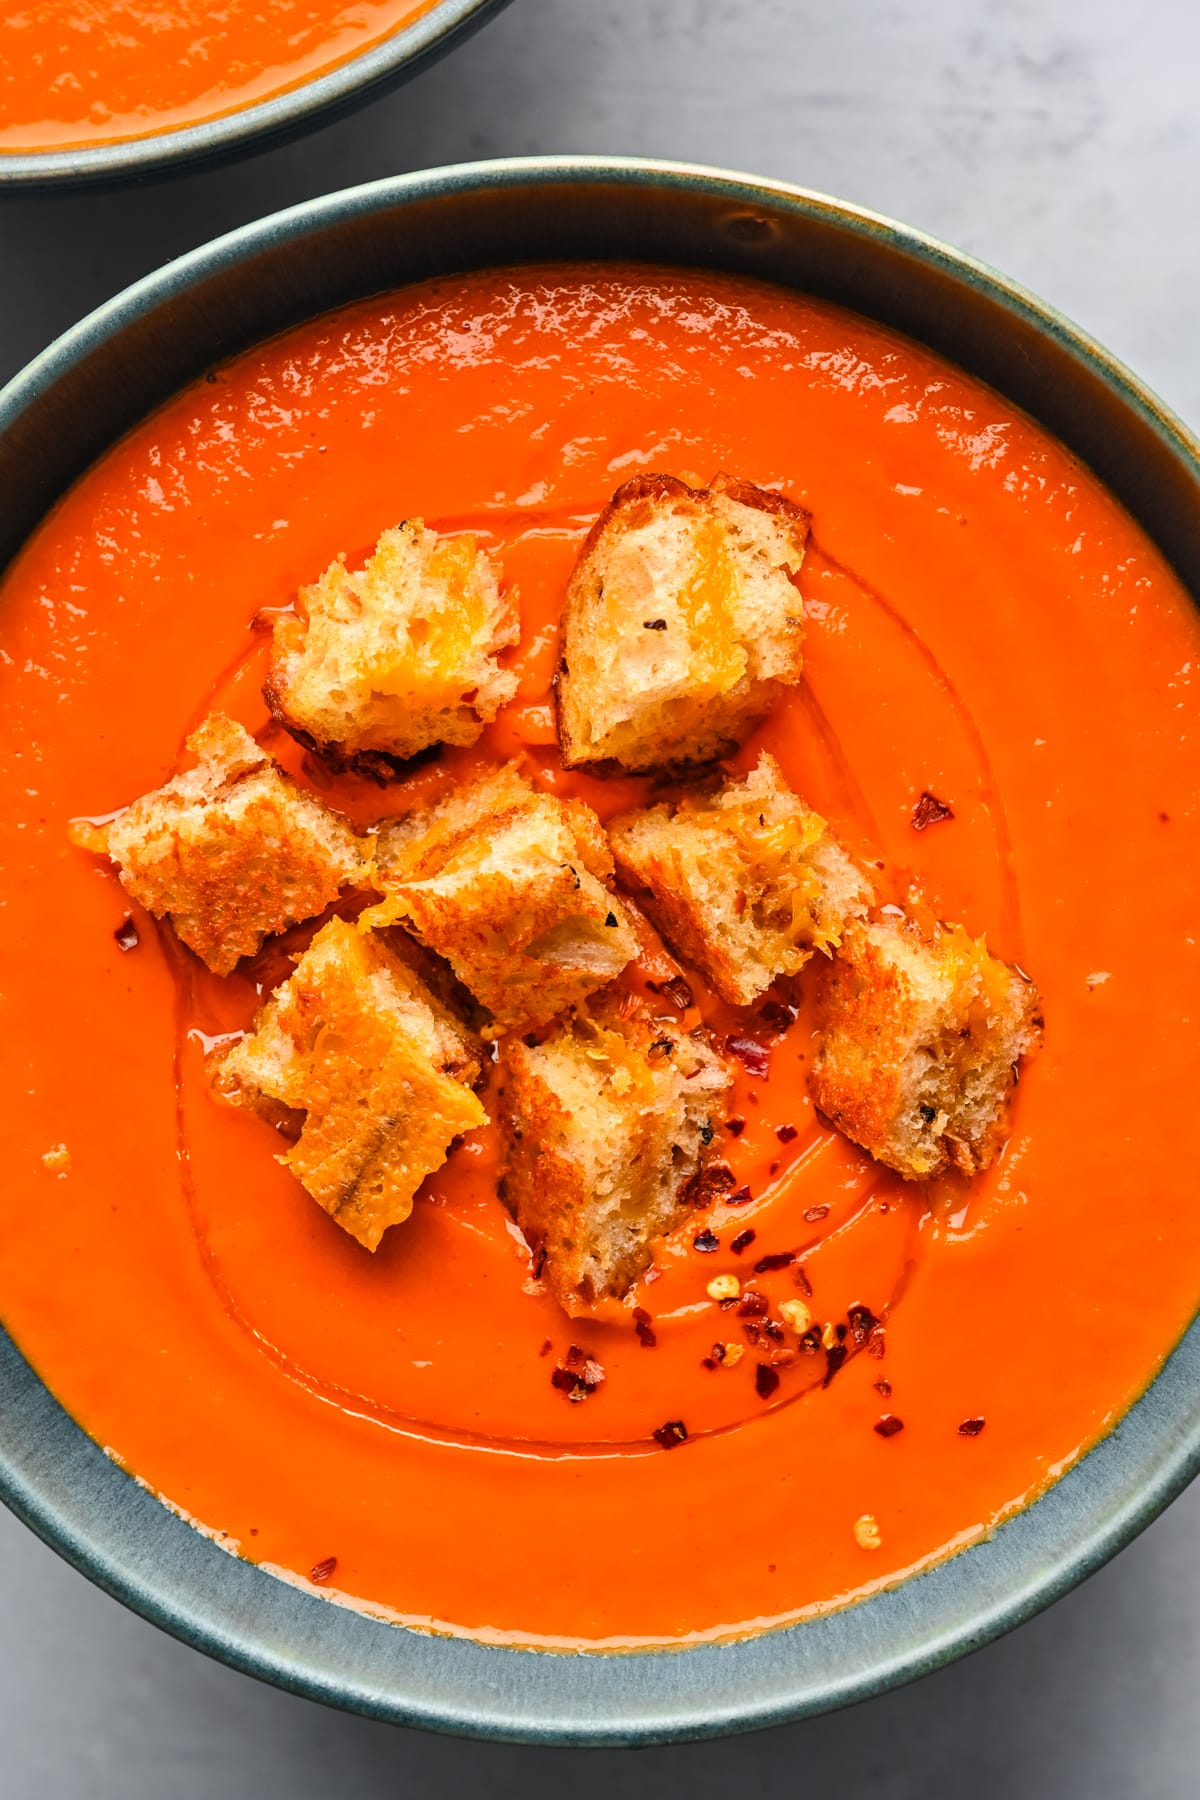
(356, 1052)
(744, 881)
(682, 624)
(230, 851)
(380, 662)
(606, 1123)
(509, 885)
(920, 1035)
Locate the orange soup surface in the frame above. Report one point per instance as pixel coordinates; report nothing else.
(985, 625)
(79, 73)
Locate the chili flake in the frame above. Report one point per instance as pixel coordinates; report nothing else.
(672, 1433)
(739, 1197)
(785, 1133)
(751, 1054)
(778, 1259)
(323, 1570)
(814, 1213)
(126, 935)
(643, 1324)
(888, 1425)
(743, 1240)
(706, 1242)
(765, 1381)
(735, 1127)
(929, 810)
(971, 1427)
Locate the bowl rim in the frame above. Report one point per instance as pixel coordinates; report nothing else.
(246, 130)
(1032, 1558)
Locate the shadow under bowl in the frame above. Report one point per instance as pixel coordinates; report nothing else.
(67, 407)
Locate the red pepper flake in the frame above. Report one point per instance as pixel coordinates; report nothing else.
(862, 1323)
(888, 1425)
(774, 1017)
(800, 1277)
(547, 1347)
(814, 1213)
(643, 1324)
(752, 1304)
(578, 1375)
(929, 810)
(323, 1570)
(739, 1197)
(883, 1387)
(834, 1358)
(765, 1381)
(539, 1263)
(706, 1242)
(735, 1127)
(743, 1240)
(711, 1184)
(674, 1432)
(675, 989)
(665, 1045)
(126, 935)
(751, 1054)
(785, 1133)
(971, 1427)
(778, 1259)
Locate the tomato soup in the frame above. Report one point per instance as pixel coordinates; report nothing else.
(985, 625)
(80, 73)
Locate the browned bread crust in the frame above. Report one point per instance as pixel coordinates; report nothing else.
(606, 1122)
(510, 885)
(920, 1036)
(358, 1055)
(229, 851)
(682, 625)
(378, 663)
(742, 879)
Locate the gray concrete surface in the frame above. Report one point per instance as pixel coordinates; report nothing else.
(1059, 141)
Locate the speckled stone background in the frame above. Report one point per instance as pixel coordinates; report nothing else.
(1057, 140)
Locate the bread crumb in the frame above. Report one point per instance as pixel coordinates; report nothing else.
(682, 625)
(744, 881)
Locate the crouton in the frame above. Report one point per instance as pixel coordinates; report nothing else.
(355, 1054)
(230, 851)
(920, 1032)
(380, 662)
(682, 625)
(509, 885)
(744, 881)
(606, 1123)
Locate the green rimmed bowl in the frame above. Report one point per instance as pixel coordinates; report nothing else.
(96, 382)
(316, 101)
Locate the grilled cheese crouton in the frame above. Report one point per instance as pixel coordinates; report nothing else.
(682, 624)
(606, 1123)
(230, 851)
(509, 885)
(744, 881)
(356, 1052)
(380, 662)
(920, 1033)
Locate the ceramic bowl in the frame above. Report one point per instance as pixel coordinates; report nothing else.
(402, 53)
(94, 383)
